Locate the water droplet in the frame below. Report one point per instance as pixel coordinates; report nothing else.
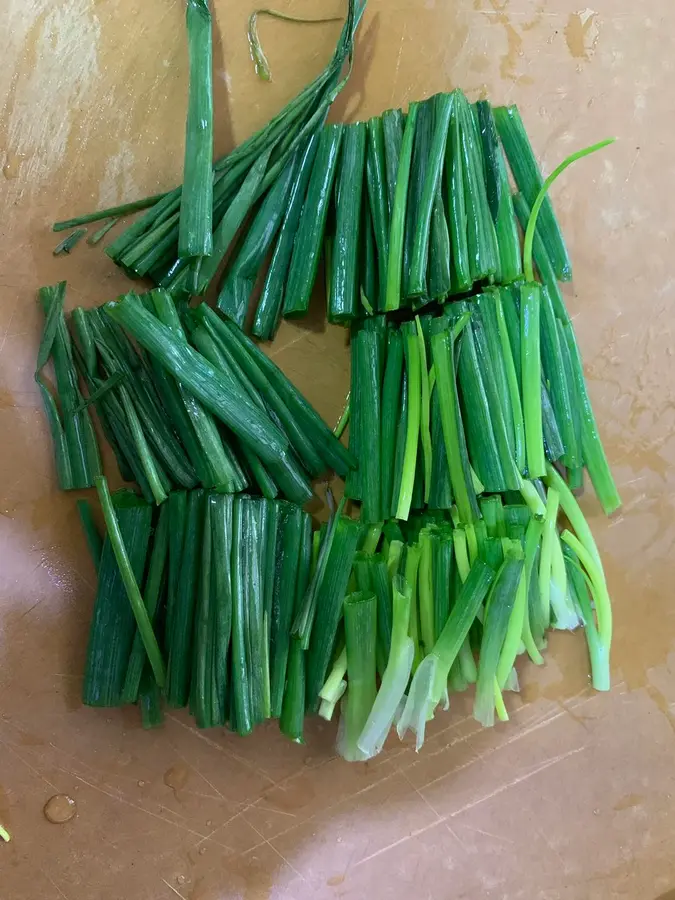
(596, 812)
(209, 823)
(11, 165)
(59, 809)
(176, 777)
(141, 784)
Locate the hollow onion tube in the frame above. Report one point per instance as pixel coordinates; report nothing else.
(360, 619)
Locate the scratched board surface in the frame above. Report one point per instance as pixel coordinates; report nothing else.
(573, 799)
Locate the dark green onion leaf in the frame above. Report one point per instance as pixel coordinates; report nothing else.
(342, 297)
(309, 237)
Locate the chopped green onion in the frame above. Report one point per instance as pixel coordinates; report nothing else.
(91, 532)
(221, 525)
(376, 179)
(498, 612)
(542, 204)
(115, 211)
(239, 281)
(343, 421)
(412, 434)
(342, 296)
(199, 377)
(307, 245)
(201, 684)
(242, 552)
(153, 591)
(598, 651)
(529, 180)
(391, 406)
(268, 312)
(367, 370)
(293, 707)
(129, 580)
(442, 108)
(224, 233)
(593, 451)
(530, 301)
(482, 240)
(573, 512)
(425, 411)
(430, 680)
(456, 202)
(196, 205)
(182, 603)
(603, 606)
(68, 243)
(332, 452)
(398, 213)
(113, 625)
(453, 435)
(287, 553)
(395, 677)
(360, 614)
(326, 593)
(393, 123)
(532, 554)
(75, 445)
(102, 231)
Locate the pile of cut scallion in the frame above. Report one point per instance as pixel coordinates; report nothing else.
(459, 541)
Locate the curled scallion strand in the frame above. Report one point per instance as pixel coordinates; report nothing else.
(536, 206)
(262, 69)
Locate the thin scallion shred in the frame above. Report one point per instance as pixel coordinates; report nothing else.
(97, 236)
(115, 211)
(91, 532)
